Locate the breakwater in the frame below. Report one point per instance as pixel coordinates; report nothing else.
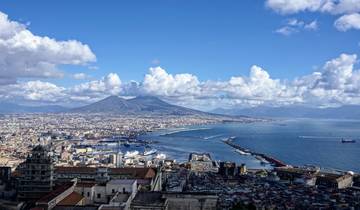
(273, 161)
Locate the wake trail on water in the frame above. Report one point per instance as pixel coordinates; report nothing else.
(184, 130)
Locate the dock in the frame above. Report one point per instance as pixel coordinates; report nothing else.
(273, 161)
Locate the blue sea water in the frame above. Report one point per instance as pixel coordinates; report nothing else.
(294, 141)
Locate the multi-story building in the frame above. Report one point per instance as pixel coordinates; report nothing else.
(36, 175)
(202, 163)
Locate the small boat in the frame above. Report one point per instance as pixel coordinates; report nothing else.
(131, 154)
(348, 141)
(242, 152)
(150, 152)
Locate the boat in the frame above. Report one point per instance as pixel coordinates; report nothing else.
(150, 152)
(348, 141)
(109, 143)
(131, 154)
(242, 152)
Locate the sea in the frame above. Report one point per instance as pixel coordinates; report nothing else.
(296, 142)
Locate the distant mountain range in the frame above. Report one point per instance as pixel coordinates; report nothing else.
(343, 112)
(149, 105)
(6, 108)
(138, 105)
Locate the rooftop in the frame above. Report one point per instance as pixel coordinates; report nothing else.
(71, 200)
(56, 192)
(149, 199)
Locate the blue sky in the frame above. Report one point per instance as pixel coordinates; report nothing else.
(213, 40)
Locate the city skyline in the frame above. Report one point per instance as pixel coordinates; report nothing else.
(200, 55)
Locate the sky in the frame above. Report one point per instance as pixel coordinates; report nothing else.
(200, 54)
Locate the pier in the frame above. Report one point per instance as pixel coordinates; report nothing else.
(271, 160)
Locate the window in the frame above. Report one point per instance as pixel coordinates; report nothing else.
(88, 194)
(98, 195)
(113, 190)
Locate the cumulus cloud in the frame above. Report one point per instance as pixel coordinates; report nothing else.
(36, 91)
(349, 9)
(97, 89)
(294, 6)
(329, 6)
(25, 55)
(336, 83)
(347, 22)
(159, 82)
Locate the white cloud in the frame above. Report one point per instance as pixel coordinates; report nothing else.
(37, 91)
(313, 26)
(295, 6)
(97, 89)
(337, 82)
(349, 9)
(328, 6)
(341, 6)
(286, 30)
(159, 82)
(347, 22)
(294, 26)
(25, 55)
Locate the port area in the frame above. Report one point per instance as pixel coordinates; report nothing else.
(262, 157)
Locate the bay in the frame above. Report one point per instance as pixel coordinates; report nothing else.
(294, 141)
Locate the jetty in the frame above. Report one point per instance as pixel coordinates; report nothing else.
(273, 161)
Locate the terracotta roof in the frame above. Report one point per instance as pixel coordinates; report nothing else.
(71, 200)
(85, 184)
(137, 173)
(56, 192)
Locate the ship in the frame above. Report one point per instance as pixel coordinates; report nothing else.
(150, 152)
(131, 154)
(242, 152)
(348, 141)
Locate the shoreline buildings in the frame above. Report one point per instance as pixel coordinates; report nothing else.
(201, 183)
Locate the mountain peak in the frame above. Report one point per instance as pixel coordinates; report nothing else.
(144, 104)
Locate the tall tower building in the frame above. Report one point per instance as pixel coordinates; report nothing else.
(37, 174)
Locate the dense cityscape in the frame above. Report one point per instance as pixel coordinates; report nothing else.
(179, 105)
(68, 161)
